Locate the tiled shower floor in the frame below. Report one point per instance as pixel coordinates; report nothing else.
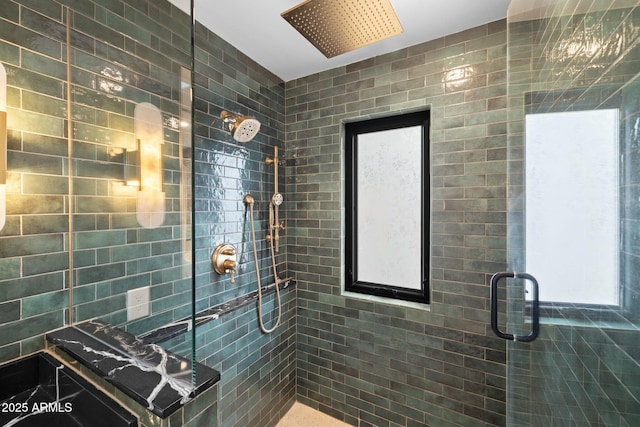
(303, 416)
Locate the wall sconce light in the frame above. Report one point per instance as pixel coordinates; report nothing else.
(3, 146)
(146, 163)
(131, 159)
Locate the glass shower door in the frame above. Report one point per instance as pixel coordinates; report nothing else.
(573, 215)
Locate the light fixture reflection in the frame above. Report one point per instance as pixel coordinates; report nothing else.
(150, 198)
(3, 146)
(459, 78)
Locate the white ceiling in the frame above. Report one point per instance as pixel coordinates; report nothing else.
(256, 28)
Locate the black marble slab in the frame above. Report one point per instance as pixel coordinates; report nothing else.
(149, 374)
(174, 329)
(39, 390)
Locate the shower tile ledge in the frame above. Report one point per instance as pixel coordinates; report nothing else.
(182, 326)
(157, 379)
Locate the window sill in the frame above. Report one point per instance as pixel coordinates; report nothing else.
(586, 315)
(389, 301)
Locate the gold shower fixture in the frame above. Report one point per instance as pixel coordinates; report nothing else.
(225, 260)
(335, 27)
(242, 128)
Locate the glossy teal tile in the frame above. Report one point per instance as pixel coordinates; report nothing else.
(9, 311)
(52, 26)
(10, 268)
(45, 263)
(99, 239)
(87, 293)
(99, 273)
(33, 326)
(31, 40)
(37, 123)
(44, 303)
(9, 53)
(102, 307)
(31, 245)
(96, 30)
(10, 11)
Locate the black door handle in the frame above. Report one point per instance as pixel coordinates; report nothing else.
(535, 307)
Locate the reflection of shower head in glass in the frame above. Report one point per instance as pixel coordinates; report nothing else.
(242, 128)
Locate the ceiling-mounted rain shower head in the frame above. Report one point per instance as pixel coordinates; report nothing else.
(338, 26)
(242, 128)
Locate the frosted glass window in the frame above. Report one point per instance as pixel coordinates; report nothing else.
(389, 207)
(387, 189)
(572, 205)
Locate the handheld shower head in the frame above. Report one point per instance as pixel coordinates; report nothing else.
(277, 199)
(242, 128)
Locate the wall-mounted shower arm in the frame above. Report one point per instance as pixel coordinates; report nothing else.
(270, 161)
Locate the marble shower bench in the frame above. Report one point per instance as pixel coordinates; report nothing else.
(155, 378)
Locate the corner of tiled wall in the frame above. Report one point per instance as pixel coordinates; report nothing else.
(383, 365)
(257, 370)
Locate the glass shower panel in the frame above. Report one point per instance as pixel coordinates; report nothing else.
(130, 166)
(574, 58)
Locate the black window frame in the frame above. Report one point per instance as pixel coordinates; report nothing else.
(352, 130)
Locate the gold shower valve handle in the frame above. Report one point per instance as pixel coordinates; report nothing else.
(225, 260)
(228, 250)
(230, 267)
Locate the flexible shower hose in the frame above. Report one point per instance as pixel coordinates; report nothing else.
(275, 273)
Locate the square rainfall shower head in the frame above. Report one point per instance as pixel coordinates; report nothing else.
(338, 26)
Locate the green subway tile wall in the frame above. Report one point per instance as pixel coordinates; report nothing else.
(257, 384)
(258, 374)
(136, 49)
(122, 53)
(387, 365)
(115, 64)
(361, 361)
